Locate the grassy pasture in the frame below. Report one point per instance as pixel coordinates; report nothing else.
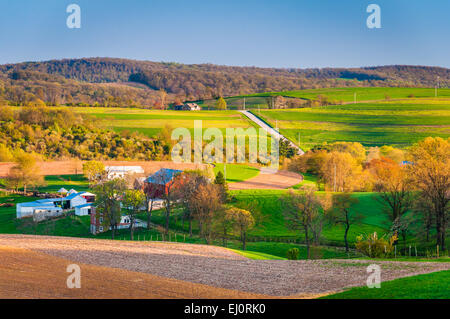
(362, 93)
(372, 124)
(428, 286)
(273, 224)
(150, 122)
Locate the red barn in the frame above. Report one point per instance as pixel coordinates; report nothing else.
(158, 185)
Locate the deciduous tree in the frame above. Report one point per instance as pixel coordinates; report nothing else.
(430, 174)
(343, 213)
(133, 200)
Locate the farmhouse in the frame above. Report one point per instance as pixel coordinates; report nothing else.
(98, 226)
(188, 107)
(157, 185)
(121, 171)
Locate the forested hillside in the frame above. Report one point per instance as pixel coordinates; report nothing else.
(120, 82)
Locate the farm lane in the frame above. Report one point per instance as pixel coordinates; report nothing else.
(268, 180)
(271, 130)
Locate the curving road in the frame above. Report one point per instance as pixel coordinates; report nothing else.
(271, 130)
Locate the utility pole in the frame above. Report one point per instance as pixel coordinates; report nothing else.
(437, 87)
(244, 103)
(225, 171)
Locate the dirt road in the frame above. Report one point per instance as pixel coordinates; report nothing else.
(269, 180)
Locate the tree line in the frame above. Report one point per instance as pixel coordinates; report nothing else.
(117, 82)
(60, 133)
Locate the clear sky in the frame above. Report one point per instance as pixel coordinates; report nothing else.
(277, 33)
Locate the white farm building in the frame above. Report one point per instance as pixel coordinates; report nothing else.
(54, 205)
(121, 171)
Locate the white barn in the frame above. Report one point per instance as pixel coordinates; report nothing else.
(121, 171)
(28, 209)
(52, 205)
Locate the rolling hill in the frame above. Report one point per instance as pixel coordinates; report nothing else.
(121, 82)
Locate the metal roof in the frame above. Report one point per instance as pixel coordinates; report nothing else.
(163, 176)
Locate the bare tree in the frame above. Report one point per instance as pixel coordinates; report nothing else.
(205, 202)
(302, 209)
(342, 212)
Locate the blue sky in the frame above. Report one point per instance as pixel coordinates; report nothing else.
(282, 33)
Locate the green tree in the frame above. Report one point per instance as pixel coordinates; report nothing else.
(243, 222)
(221, 182)
(108, 199)
(26, 172)
(221, 104)
(133, 200)
(223, 224)
(93, 171)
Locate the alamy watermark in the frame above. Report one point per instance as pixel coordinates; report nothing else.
(374, 279)
(235, 150)
(74, 279)
(374, 19)
(74, 19)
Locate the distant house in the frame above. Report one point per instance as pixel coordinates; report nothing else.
(188, 107)
(157, 185)
(121, 171)
(98, 226)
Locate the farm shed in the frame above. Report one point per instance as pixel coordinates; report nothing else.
(28, 209)
(85, 209)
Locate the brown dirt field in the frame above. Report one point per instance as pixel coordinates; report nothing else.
(279, 180)
(218, 267)
(76, 167)
(32, 275)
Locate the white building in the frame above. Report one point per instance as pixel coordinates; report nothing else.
(29, 209)
(85, 209)
(53, 205)
(121, 171)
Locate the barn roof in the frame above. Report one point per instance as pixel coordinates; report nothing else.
(163, 176)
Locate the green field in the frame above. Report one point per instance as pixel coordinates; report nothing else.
(347, 94)
(428, 286)
(374, 121)
(273, 224)
(150, 122)
(236, 172)
(371, 124)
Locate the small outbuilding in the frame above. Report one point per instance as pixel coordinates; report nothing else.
(85, 209)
